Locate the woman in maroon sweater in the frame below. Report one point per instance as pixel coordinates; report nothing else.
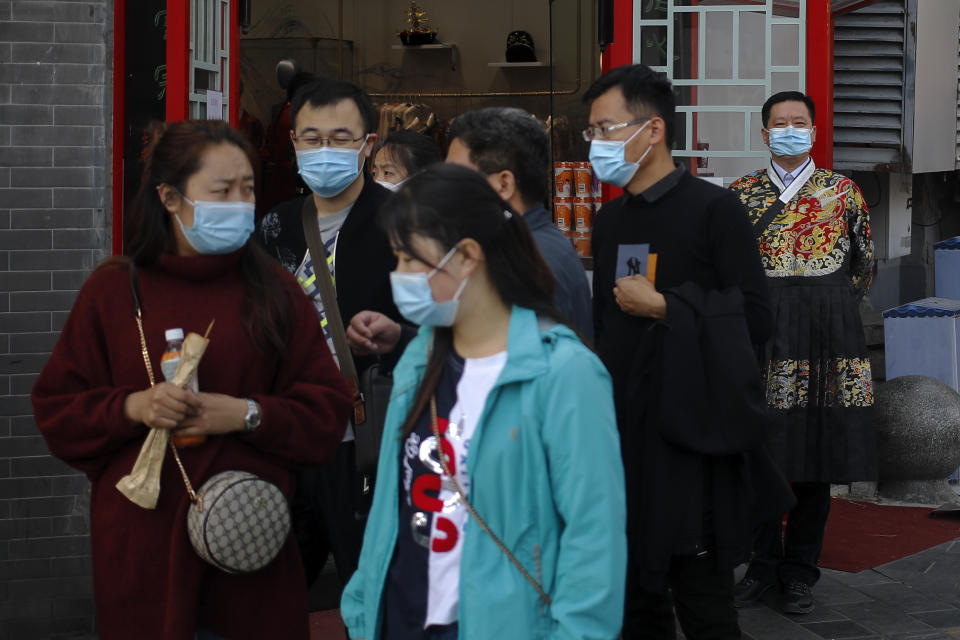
(188, 235)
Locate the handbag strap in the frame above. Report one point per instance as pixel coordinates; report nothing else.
(473, 513)
(135, 287)
(768, 216)
(331, 309)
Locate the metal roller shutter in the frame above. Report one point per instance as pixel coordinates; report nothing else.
(868, 76)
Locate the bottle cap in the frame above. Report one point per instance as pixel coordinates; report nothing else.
(173, 334)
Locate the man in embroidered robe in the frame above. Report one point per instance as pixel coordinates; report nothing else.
(813, 234)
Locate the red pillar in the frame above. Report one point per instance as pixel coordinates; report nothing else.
(618, 53)
(233, 64)
(819, 73)
(178, 59)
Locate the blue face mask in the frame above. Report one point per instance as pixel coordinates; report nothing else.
(790, 141)
(218, 227)
(608, 159)
(414, 299)
(329, 170)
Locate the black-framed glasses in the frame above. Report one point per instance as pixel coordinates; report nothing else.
(340, 139)
(601, 132)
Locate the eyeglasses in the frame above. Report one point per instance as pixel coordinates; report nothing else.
(601, 132)
(342, 139)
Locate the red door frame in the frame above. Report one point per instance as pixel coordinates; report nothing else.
(819, 66)
(819, 75)
(119, 121)
(233, 63)
(178, 61)
(177, 87)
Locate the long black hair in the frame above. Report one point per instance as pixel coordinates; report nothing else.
(447, 203)
(172, 157)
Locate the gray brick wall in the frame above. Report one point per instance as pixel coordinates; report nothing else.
(54, 228)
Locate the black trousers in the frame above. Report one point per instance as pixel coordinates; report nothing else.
(792, 555)
(330, 513)
(701, 595)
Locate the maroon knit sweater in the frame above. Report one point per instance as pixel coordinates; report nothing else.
(148, 581)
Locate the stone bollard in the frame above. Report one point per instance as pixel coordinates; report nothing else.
(918, 439)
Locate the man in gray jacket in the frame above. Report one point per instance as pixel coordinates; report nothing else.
(512, 149)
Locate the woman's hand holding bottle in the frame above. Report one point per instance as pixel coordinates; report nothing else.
(162, 406)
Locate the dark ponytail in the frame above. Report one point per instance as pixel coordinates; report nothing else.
(447, 203)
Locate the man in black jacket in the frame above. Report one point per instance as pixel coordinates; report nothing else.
(688, 508)
(333, 132)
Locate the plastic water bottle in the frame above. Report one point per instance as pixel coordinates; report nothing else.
(171, 354)
(168, 364)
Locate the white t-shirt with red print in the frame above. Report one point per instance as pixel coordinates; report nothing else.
(423, 584)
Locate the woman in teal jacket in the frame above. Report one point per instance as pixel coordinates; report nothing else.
(524, 415)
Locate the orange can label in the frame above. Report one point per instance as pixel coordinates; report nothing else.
(582, 180)
(563, 213)
(563, 179)
(582, 214)
(581, 242)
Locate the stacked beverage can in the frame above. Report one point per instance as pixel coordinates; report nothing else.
(576, 200)
(563, 179)
(563, 215)
(563, 191)
(582, 177)
(582, 225)
(585, 205)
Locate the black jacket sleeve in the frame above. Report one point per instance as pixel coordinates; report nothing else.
(738, 263)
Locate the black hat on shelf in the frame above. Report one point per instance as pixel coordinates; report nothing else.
(520, 47)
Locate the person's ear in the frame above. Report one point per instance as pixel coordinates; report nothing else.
(658, 130)
(504, 183)
(293, 136)
(471, 254)
(169, 197)
(765, 134)
(368, 145)
(813, 134)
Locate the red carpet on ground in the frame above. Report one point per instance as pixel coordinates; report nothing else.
(326, 625)
(863, 535)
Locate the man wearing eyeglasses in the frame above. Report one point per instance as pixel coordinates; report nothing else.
(333, 132)
(688, 510)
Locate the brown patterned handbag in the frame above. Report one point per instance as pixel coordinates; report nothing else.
(239, 521)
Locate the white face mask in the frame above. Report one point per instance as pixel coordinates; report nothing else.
(390, 185)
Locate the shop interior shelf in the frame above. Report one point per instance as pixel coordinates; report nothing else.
(517, 64)
(439, 45)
